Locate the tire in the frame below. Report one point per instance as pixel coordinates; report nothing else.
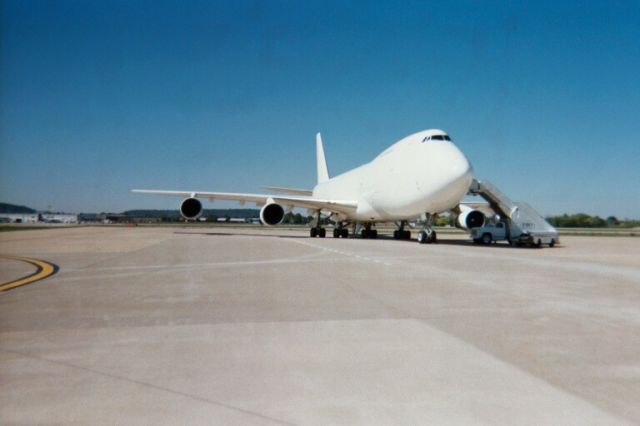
(434, 237)
(552, 243)
(336, 233)
(364, 234)
(422, 237)
(538, 243)
(344, 233)
(374, 233)
(313, 232)
(406, 235)
(322, 232)
(486, 239)
(396, 235)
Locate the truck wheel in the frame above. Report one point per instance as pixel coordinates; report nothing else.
(486, 239)
(552, 243)
(538, 243)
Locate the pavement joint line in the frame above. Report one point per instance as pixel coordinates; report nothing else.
(44, 270)
(344, 253)
(306, 258)
(151, 385)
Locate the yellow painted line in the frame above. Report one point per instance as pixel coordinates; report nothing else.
(45, 269)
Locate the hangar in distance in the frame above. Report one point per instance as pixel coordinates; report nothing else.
(421, 175)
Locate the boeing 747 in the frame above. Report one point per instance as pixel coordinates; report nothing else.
(421, 174)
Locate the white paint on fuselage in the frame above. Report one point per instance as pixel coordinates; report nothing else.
(408, 179)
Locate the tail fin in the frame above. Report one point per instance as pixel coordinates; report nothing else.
(323, 172)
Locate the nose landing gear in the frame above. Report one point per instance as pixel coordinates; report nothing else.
(427, 235)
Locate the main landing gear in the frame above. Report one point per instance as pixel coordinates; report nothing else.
(317, 230)
(367, 232)
(401, 233)
(340, 232)
(427, 235)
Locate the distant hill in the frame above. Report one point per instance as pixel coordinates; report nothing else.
(235, 213)
(12, 208)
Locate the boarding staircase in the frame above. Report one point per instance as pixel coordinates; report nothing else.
(520, 214)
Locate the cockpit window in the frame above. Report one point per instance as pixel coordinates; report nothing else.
(436, 138)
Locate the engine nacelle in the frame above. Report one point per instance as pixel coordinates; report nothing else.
(191, 208)
(271, 214)
(470, 219)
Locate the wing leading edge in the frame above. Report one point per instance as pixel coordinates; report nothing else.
(308, 202)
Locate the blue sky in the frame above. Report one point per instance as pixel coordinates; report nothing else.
(97, 98)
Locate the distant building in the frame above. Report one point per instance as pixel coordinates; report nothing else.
(232, 220)
(88, 218)
(59, 218)
(19, 217)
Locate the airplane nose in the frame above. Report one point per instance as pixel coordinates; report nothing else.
(461, 170)
(460, 166)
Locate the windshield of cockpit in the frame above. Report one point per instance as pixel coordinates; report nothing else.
(437, 138)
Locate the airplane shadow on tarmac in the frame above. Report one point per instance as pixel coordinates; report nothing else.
(231, 234)
(444, 242)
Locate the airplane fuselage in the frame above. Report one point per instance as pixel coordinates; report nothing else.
(415, 175)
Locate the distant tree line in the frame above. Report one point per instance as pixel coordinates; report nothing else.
(12, 208)
(582, 220)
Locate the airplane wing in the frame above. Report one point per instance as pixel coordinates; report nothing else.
(308, 202)
(291, 191)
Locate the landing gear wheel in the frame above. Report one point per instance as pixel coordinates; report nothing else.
(373, 233)
(344, 233)
(313, 232)
(406, 235)
(322, 232)
(427, 236)
(336, 233)
(422, 237)
(396, 235)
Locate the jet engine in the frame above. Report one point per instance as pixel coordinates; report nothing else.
(271, 214)
(191, 208)
(469, 218)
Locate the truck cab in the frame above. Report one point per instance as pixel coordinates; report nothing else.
(490, 232)
(514, 234)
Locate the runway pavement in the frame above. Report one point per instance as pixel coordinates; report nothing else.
(267, 326)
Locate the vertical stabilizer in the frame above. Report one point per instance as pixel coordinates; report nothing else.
(323, 173)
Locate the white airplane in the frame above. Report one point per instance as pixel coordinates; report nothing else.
(424, 173)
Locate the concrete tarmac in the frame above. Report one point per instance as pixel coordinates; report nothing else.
(267, 326)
